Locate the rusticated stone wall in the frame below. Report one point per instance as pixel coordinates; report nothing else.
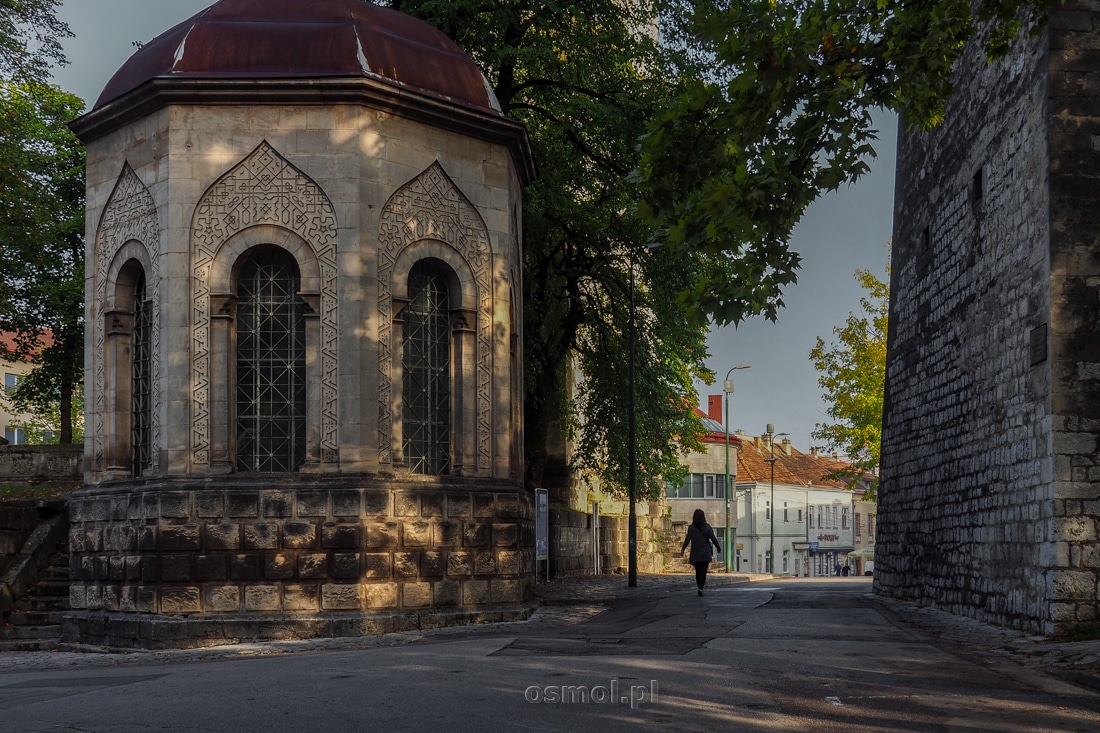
(571, 542)
(183, 564)
(990, 493)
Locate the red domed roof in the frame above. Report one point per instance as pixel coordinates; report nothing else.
(286, 39)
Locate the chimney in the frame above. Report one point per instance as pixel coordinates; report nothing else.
(787, 446)
(714, 407)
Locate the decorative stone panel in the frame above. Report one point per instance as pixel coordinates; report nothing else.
(264, 188)
(129, 216)
(431, 207)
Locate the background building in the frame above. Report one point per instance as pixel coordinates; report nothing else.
(12, 372)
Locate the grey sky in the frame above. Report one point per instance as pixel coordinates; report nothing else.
(843, 232)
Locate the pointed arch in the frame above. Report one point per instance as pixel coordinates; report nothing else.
(432, 214)
(261, 192)
(128, 230)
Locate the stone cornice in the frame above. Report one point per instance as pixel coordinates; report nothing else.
(384, 96)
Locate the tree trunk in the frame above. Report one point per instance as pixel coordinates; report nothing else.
(66, 407)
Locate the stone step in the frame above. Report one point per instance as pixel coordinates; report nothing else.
(56, 572)
(43, 604)
(51, 588)
(21, 633)
(26, 617)
(30, 645)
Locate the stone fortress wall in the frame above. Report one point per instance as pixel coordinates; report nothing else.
(990, 500)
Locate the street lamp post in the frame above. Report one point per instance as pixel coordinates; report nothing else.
(727, 388)
(772, 435)
(632, 457)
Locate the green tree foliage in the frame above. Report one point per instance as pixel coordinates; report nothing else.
(785, 115)
(42, 244)
(853, 374)
(30, 39)
(585, 78)
(42, 426)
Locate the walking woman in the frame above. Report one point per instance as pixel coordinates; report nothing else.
(700, 535)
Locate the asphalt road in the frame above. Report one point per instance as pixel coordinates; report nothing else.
(787, 655)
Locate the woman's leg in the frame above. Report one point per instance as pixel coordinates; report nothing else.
(700, 574)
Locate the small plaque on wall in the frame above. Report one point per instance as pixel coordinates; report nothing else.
(1038, 348)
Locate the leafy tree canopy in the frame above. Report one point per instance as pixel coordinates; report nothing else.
(784, 116)
(41, 241)
(852, 372)
(30, 39)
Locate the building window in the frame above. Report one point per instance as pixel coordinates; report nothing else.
(871, 526)
(767, 510)
(844, 518)
(427, 369)
(15, 436)
(857, 524)
(786, 561)
(810, 515)
(271, 364)
(800, 516)
(11, 381)
(699, 486)
(786, 516)
(140, 383)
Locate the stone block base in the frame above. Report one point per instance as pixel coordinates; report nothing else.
(294, 552)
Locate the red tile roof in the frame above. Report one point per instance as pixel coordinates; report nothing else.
(795, 469)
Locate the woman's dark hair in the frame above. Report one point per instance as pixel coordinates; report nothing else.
(698, 518)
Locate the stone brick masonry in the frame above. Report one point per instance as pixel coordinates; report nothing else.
(990, 497)
(241, 561)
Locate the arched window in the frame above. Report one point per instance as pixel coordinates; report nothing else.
(140, 381)
(426, 428)
(271, 363)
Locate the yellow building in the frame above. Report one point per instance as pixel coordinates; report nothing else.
(13, 372)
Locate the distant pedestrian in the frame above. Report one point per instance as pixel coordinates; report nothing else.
(700, 535)
(845, 571)
(837, 569)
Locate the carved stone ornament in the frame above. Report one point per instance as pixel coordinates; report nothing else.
(264, 188)
(129, 216)
(431, 207)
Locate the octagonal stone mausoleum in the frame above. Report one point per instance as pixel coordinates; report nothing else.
(303, 356)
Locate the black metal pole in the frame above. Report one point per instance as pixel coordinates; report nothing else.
(632, 520)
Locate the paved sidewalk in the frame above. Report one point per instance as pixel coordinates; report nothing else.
(605, 588)
(573, 600)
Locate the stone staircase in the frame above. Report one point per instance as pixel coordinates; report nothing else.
(34, 623)
(34, 584)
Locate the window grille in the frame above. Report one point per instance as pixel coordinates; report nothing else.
(427, 374)
(140, 384)
(271, 364)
